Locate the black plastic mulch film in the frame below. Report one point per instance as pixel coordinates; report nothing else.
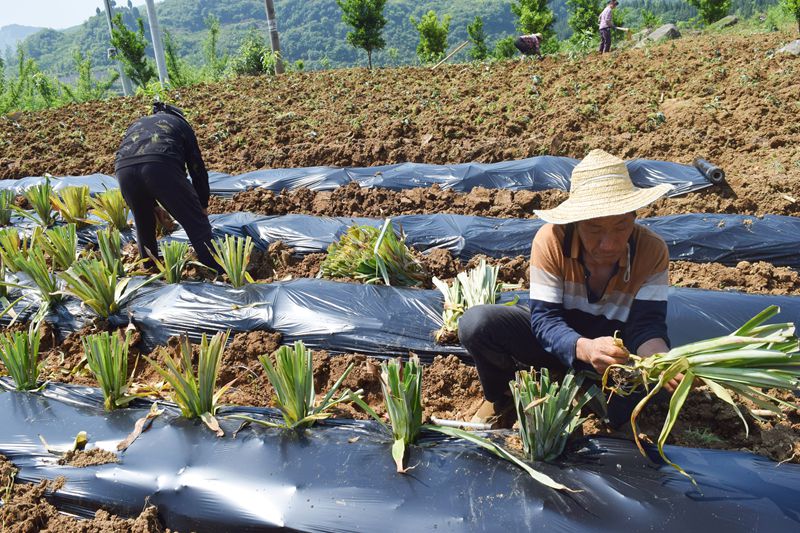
(535, 173)
(317, 481)
(339, 476)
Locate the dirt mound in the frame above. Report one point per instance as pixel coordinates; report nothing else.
(84, 458)
(352, 200)
(723, 97)
(25, 508)
(756, 278)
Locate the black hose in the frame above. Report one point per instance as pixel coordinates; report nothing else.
(713, 173)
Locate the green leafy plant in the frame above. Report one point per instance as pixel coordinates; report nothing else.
(19, 351)
(372, 255)
(477, 286)
(254, 57)
(402, 394)
(61, 244)
(13, 248)
(792, 7)
(292, 376)
(35, 266)
(710, 11)
(6, 209)
(38, 197)
(548, 411)
(175, 255)
(72, 203)
(98, 287)
(233, 255)
(111, 207)
(109, 248)
(107, 358)
(752, 359)
(195, 392)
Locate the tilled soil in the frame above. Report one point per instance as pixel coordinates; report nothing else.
(27, 510)
(724, 97)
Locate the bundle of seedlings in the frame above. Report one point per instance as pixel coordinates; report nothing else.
(750, 361)
(110, 206)
(6, 206)
(477, 286)
(98, 287)
(291, 374)
(194, 392)
(107, 359)
(72, 203)
(373, 255)
(38, 196)
(61, 245)
(109, 249)
(174, 257)
(233, 255)
(402, 393)
(548, 412)
(19, 352)
(13, 248)
(34, 265)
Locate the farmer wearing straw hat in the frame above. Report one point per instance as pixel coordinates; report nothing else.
(593, 272)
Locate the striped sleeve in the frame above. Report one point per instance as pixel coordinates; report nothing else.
(548, 323)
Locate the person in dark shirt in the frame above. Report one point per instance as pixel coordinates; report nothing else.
(151, 168)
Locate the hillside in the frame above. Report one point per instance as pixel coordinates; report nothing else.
(12, 34)
(313, 31)
(723, 97)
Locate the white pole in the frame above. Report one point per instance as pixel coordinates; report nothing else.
(158, 48)
(272, 25)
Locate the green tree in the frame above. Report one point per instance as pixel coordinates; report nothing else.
(177, 69)
(432, 36)
(504, 48)
(86, 87)
(367, 20)
(477, 36)
(650, 19)
(533, 16)
(583, 15)
(215, 63)
(254, 56)
(131, 46)
(710, 11)
(793, 8)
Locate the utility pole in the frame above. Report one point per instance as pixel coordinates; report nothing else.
(112, 52)
(158, 48)
(272, 26)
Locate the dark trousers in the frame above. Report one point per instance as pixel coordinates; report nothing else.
(142, 185)
(605, 40)
(500, 341)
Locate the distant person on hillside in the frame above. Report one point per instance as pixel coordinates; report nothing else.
(529, 45)
(151, 168)
(606, 25)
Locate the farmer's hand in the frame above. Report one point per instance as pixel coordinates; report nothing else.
(672, 384)
(601, 352)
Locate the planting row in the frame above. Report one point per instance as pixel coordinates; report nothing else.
(726, 239)
(534, 174)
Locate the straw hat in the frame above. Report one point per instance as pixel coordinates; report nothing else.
(601, 187)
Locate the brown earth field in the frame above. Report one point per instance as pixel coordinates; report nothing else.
(723, 97)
